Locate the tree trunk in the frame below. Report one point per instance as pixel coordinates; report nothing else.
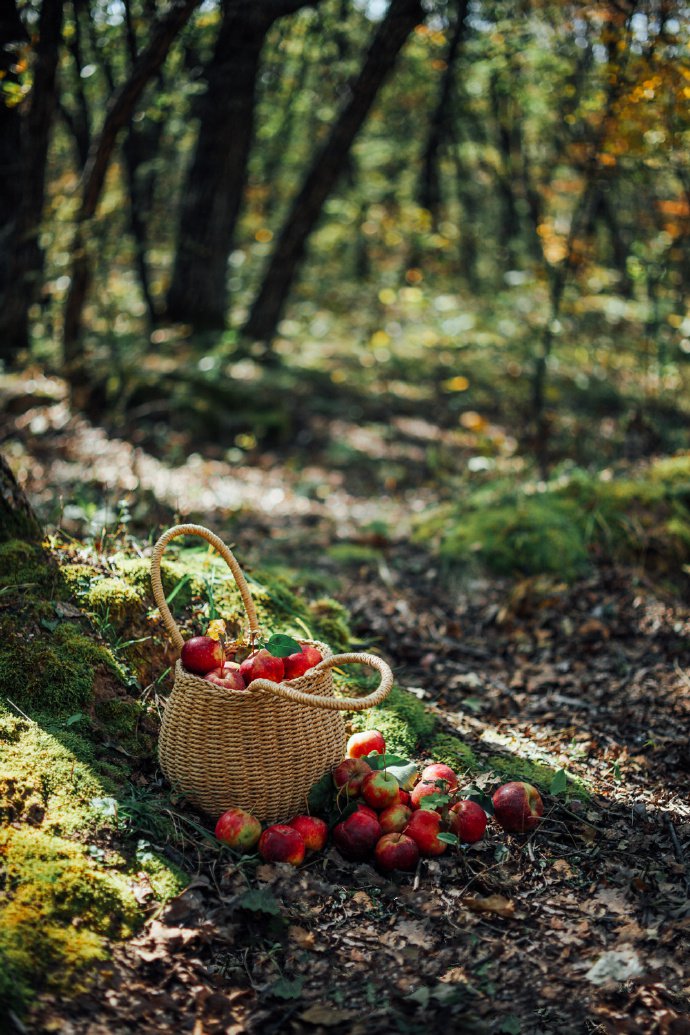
(400, 20)
(28, 164)
(17, 519)
(217, 175)
(118, 113)
(430, 180)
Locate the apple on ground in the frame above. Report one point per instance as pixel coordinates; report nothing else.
(396, 851)
(356, 836)
(422, 790)
(404, 797)
(467, 820)
(366, 742)
(282, 843)
(238, 829)
(424, 828)
(380, 789)
(314, 831)
(262, 665)
(395, 818)
(518, 807)
(361, 807)
(349, 774)
(439, 771)
(295, 665)
(201, 654)
(228, 677)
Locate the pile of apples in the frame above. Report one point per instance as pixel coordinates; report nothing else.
(382, 820)
(205, 656)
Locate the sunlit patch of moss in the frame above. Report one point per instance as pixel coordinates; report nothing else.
(113, 600)
(515, 767)
(329, 621)
(167, 880)
(447, 748)
(57, 910)
(78, 577)
(401, 718)
(136, 571)
(122, 717)
(52, 672)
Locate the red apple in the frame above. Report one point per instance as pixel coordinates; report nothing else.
(422, 790)
(467, 820)
(296, 665)
(365, 742)
(380, 789)
(424, 828)
(439, 771)
(395, 818)
(361, 807)
(356, 836)
(201, 654)
(313, 830)
(404, 797)
(262, 665)
(229, 677)
(396, 851)
(349, 774)
(239, 829)
(281, 843)
(518, 807)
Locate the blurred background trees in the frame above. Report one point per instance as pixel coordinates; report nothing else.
(494, 196)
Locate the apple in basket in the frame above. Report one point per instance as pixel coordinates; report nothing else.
(300, 662)
(201, 654)
(228, 677)
(262, 665)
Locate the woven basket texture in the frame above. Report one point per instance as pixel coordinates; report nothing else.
(249, 748)
(263, 748)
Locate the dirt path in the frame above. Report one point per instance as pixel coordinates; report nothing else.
(581, 927)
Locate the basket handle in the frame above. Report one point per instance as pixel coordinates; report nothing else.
(335, 704)
(227, 555)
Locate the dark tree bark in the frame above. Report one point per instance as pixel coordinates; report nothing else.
(12, 33)
(17, 519)
(440, 125)
(328, 164)
(22, 280)
(118, 113)
(217, 175)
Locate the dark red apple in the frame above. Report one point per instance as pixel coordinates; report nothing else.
(467, 820)
(349, 774)
(313, 830)
(356, 836)
(296, 665)
(366, 742)
(262, 665)
(396, 852)
(238, 829)
(201, 654)
(380, 789)
(229, 677)
(518, 807)
(281, 843)
(424, 828)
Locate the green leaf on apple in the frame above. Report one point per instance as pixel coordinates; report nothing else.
(321, 795)
(559, 782)
(483, 800)
(282, 646)
(430, 802)
(447, 838)
(385, 761)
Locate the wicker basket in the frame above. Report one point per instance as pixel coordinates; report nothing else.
(261, 750)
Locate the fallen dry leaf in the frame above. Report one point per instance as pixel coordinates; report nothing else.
(495, 904)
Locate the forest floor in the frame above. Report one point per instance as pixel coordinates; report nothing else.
(580, 927)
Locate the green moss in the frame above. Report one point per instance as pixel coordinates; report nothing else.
(401, 718)
(514, 767)
(57, 910)
(353, 554)
(116, 602)
(167, 880)
(22, 562)
(329, 621)
(445, 747)
(136, 572)
(122, 717)
(78, 577)
(51, 673)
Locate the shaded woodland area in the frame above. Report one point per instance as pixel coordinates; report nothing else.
(392, 295)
